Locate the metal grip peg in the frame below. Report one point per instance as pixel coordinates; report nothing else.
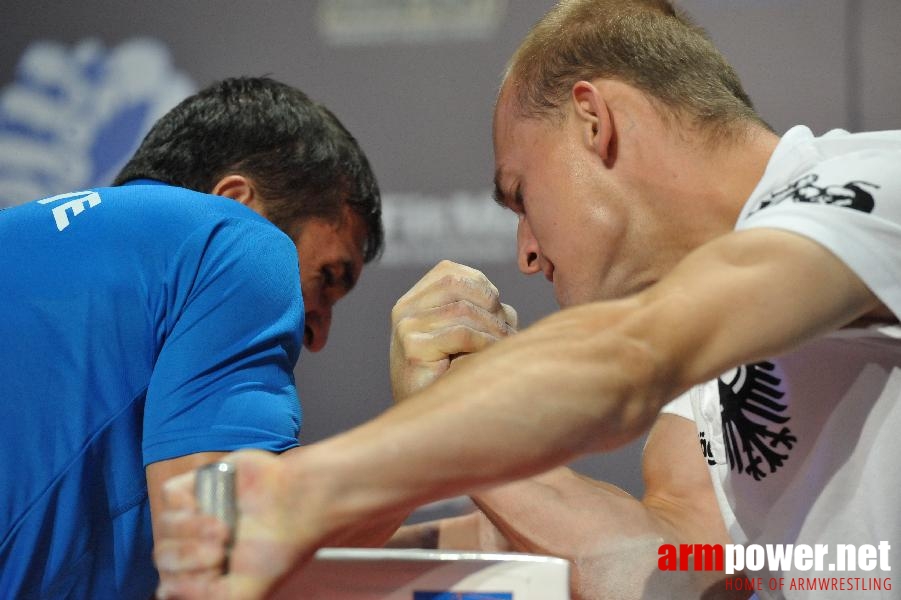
(214, 489)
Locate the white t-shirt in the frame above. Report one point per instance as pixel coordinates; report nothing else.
(806, 448)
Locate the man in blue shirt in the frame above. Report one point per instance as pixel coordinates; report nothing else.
(699, 257)
(150, 327)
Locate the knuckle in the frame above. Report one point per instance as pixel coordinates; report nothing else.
(399, 310)
(457, 308)
(450, 280)
(414, 346)
(461, 334)
(402, 326)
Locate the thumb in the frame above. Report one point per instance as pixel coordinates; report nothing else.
(510, 315)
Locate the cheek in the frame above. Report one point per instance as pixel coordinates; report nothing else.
(545, 226)
(601, 232)
(310, 292)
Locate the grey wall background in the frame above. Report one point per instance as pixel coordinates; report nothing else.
(422, 111)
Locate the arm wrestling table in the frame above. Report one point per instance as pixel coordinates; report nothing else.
(407, 574)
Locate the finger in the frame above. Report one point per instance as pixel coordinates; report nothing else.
(442, 270)
(510, 316)
(459, 360)
(179, 525)
(174, 556)
(469, 285)
(186, 539)
(456, 313)
(445, 292)
(198, 586)
(264, 546)
(440, 345)
(178, 493)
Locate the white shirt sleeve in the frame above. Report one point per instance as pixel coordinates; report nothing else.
(852, 206)
(680, 406)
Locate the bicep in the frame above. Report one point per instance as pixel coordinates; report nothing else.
(747, 296)
(679, 490)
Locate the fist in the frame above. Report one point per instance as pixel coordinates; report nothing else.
(453, 311)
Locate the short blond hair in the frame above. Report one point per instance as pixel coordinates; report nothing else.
(649, 44)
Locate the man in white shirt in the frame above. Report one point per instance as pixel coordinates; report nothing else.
(686, 241)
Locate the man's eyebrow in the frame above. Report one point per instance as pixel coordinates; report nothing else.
(498, 194)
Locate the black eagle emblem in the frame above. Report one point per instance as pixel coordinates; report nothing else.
(850, 195)
(754, 424)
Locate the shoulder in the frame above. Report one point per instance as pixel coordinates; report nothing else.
(841, 170)
(163, 213)
(204, 243)
(161, 202)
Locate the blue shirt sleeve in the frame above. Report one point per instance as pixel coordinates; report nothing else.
(231, 323)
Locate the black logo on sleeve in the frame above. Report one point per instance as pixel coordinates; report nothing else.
(756, 438)
(853, 194)
(707, 449)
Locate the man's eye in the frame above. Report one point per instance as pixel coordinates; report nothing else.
(328, 277)
(519, 203)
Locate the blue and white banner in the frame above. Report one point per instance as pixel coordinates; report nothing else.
(74, 115)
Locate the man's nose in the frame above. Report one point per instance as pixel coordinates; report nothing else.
(318, 321)
(527, 248)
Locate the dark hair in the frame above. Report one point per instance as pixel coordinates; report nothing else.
(298, 154)
(649, 44)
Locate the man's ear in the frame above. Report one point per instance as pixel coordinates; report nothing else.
(240, 188)
(593, 114)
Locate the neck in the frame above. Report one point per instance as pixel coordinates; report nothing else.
(705, 183)
(729, 169)
(695, 177)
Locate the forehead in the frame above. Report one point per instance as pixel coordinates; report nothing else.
(504, 116)
(324, 240)
(518, 141)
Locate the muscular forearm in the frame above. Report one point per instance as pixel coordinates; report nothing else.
(611, 538)
(493, 420)
(564, 514)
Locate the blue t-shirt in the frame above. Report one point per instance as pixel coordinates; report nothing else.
(137, 324)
